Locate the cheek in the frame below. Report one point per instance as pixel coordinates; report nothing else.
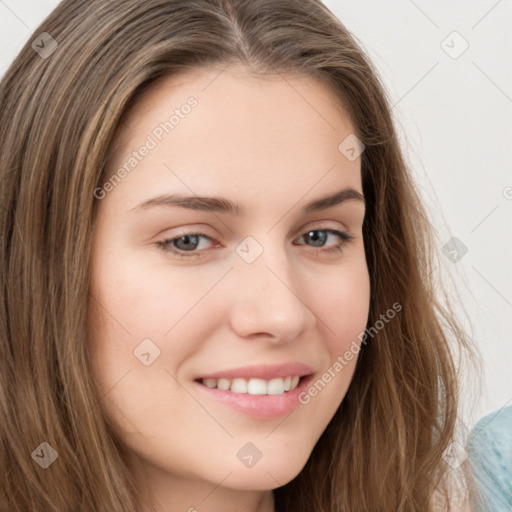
(137, 301)
(343, 307)
(135, 310)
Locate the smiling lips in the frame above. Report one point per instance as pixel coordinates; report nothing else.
(258, 380)
(262, 392)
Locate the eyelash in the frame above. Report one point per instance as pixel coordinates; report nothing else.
(166, 246)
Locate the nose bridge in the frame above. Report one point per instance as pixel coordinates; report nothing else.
(268, 295)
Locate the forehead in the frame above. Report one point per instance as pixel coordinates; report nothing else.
(243, 131)
(236, 84)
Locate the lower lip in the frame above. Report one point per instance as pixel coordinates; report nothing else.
(259, 406)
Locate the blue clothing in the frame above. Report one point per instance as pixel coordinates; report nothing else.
(490, 453)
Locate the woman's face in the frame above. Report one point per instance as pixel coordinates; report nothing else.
(251, 290)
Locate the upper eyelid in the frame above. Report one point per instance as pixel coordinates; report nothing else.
(316, 225)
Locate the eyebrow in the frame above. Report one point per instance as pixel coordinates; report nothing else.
(223, 205)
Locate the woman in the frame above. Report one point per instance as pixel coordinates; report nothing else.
(299, 360)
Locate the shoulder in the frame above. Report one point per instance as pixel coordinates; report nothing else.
(493, 435)
(490, 455)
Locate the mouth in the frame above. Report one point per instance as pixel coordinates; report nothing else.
(259, 397)
(254, 386)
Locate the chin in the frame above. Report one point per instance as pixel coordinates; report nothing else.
(274, 473)
(260, 480)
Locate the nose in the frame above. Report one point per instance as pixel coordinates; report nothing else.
(270, 300)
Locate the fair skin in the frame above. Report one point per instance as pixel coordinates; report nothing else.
(269, 144)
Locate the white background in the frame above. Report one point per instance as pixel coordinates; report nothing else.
(454, 117)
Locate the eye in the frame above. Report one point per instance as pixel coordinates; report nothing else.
(186, 245)
(319, 240)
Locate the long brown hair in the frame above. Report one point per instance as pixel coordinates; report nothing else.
(59, 113)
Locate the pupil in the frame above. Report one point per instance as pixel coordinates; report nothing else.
(316, 238)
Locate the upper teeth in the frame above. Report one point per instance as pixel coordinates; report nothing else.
(254, 386)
